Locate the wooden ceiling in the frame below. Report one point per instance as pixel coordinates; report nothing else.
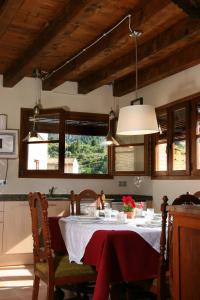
(47, 34)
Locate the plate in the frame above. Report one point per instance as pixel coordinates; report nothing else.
(155, 221)
(113, 222)
(149, 225)
(86, 218)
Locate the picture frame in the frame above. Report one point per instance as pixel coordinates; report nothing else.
(8, 143)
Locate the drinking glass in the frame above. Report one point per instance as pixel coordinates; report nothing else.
(107, 212)
(150, 213)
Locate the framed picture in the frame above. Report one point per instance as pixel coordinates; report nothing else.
(9, 143)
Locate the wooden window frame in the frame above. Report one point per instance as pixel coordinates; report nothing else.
(194, 170)
(146, 165)
(23, 153)
(172, 109)
(154, 139)
(191, 171)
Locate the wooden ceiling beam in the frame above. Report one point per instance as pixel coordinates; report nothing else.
(8, 9)
(147, 18)
(70, 13)
(186, 58)
(176, 37)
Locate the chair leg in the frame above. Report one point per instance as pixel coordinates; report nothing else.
(36, 283)
(50, 291)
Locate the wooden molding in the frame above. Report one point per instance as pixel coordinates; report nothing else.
(8, 10)
(146, 19)
(175, 37)
(72, 12)
(182, 60)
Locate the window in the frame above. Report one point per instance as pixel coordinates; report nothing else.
(176, 148)
(71, 145)
(161, 144)
(131, 155)
(196, 137)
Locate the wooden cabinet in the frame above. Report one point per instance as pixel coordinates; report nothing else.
(186, 252)
(16, 233)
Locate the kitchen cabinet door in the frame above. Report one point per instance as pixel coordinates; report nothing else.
(17, 234)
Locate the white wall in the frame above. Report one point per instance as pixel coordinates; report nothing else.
(23, 95)
(164, 91)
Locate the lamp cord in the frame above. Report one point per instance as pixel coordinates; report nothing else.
(136, 67)
(48, 75)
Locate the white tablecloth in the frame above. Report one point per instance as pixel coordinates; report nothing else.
(77, 233)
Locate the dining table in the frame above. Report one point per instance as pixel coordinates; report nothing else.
(120, 251)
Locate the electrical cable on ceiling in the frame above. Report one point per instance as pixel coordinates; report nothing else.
(48, 75)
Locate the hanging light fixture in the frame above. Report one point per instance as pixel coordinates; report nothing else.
(137, 119)
(33, 135)
(110, 140)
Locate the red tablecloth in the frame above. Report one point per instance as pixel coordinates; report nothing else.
(117, 256)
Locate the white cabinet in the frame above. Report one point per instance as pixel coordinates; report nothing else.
(17, 228)
(17, 233)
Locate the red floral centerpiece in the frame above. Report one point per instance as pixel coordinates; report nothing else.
(128, 206)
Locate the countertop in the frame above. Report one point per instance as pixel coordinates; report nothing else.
(65, 197)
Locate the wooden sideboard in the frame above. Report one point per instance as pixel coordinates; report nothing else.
(186, 252)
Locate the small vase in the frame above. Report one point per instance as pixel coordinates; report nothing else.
(130, 214)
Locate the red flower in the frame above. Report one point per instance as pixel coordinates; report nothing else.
(129, 203)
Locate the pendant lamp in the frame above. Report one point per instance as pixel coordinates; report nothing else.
(33, 135)
(137, 119)
(110, 140)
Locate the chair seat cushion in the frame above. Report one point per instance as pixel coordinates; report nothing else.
(64, 268)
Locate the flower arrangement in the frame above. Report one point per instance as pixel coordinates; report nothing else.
(128, 203)
(141, 205)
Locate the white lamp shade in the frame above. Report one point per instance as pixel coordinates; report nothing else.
(136, 120)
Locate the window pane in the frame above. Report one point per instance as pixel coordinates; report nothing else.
(162, 121)
(129, 158)
(43, 156)
(198, 153)
(130, 139)
(48, 123)
(179, 155)
(161, 157)
(179, 130)
(85, 154)
(198, 119)
(161, 143)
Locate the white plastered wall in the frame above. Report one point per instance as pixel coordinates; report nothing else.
(165, 91)
(23, 95)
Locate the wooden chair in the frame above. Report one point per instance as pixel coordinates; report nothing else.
(197, 194)
(86, 196)
(165, 273)
(187, 199)
(55, 271)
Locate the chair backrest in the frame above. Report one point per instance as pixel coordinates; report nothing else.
(40, 229)
(87, 196)
(186, 199)
(197, 194)
(166, 241)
